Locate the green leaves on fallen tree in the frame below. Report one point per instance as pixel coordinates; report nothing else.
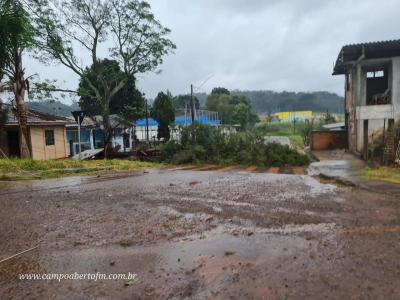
(204, 144)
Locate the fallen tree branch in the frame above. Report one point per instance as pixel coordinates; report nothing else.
(20, 253)
(35, 89)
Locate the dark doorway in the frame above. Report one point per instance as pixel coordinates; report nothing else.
(365, 148)
(13, 143)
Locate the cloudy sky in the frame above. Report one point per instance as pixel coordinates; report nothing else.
(258, 44)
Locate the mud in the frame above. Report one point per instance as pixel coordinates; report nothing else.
(200, 235)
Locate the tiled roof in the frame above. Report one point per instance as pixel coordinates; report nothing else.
(35, 118)
(96, 122)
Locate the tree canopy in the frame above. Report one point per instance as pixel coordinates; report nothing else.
(138, 44)
(163, 112)
(220, 91)
(232, 109)
(16, 36)
(264, 102)
(128, 102)
(16, 33)
(138, 40)
(183, 101)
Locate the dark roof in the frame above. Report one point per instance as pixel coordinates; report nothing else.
(35, 118)
(351, 53)
(116, 121)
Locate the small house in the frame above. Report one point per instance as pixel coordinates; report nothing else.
(92, 135)
(46, 136)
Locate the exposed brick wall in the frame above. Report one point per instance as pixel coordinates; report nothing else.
(328, 140)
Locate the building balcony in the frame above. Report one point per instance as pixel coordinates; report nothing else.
(380, 111)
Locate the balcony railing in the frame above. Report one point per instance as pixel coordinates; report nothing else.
(380, 99)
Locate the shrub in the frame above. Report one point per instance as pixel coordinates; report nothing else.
(203, 144)
(169, 149)
(196, 134)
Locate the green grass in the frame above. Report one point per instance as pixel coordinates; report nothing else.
(382, 174)
(23, 169)
(286, 129)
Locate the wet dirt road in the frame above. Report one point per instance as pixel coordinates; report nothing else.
(200, 235)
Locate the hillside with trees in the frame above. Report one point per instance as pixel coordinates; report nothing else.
(263, 102)
(56, 108)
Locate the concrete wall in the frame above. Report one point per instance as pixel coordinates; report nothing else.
(328, 140)
(358, 111)
(396, 84)
(39, 149)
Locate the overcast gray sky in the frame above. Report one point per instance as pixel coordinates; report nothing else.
(258, 44)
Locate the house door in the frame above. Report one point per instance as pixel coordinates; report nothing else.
(365, 147)
(13, 143)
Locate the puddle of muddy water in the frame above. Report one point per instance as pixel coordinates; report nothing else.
(181, 253)
(180, 267)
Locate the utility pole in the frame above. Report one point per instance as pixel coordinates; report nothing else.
(79, 138)
(79, 116)
(147, 123)
(185, 114)
(192, 103)
(294, 121)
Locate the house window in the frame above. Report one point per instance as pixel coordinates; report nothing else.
(376, 74)
(49, 137)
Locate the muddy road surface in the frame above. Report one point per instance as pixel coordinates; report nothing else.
(199, 235)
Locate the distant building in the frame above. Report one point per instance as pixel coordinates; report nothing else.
(372, 97)
(92, 134)
(334, 126)
(54, 137)
(290, 116)
(140, 129)
(46, 136)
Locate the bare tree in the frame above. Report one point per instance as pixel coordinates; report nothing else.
(138, 41)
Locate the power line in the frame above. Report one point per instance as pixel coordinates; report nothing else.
(205, 81)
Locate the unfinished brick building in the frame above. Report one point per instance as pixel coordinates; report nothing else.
(372, 98)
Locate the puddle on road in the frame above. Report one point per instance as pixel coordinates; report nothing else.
(336, 168)
(215, 260)
(263, 245)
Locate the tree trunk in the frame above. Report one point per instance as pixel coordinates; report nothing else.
(107, 133)
(20, 112)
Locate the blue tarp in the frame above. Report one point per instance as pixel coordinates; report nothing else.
(180, 121)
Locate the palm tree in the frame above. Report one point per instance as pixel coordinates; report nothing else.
(16, 36)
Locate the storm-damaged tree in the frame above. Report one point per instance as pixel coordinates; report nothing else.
(163, 112)
(128, 102)
(138, 42)
(16, 37)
